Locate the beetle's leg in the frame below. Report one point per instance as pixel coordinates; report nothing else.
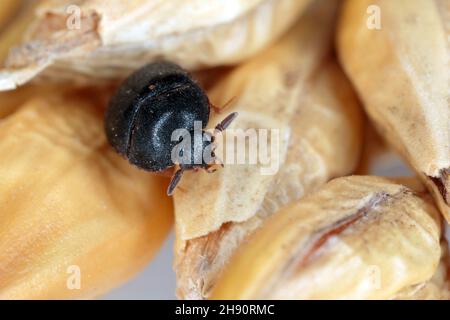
(220, 109)
(211, 167)
(223, 125)
(175, 179)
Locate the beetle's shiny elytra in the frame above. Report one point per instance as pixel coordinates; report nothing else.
(148, 107)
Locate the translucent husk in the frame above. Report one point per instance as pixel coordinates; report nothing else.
(277, 89)
(7, 11)
(69, 205)
(437, 288)
(14, 27)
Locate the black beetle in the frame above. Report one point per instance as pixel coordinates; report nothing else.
(148, 107)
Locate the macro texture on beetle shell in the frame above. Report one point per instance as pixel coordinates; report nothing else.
(149, 105)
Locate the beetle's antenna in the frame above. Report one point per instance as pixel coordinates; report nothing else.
(175, 179)
(223, 125)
